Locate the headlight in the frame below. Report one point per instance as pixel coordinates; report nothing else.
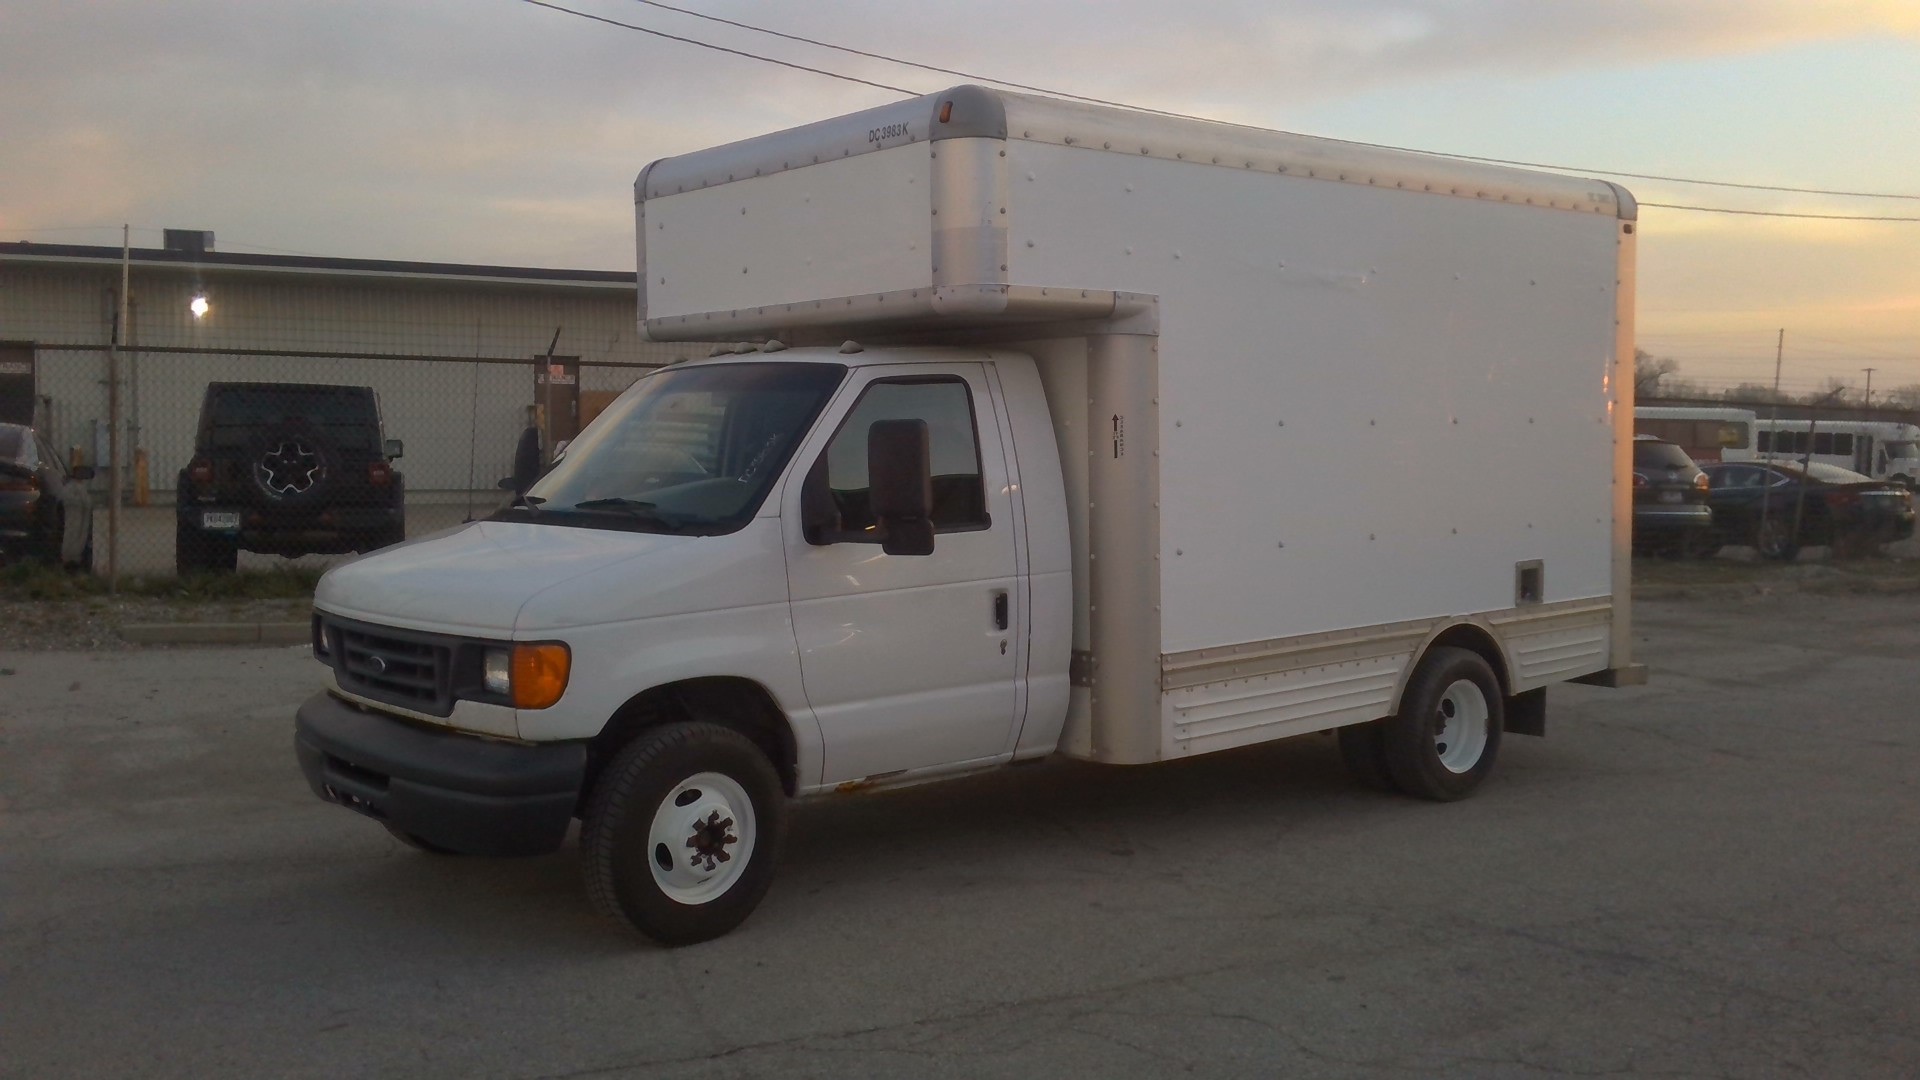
(531, 675)
(496, 672)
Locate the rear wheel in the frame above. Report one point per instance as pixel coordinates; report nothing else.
(1700, 544)
(1445, 738)
(681, 832)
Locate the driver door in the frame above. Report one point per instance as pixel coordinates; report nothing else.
(908, 660)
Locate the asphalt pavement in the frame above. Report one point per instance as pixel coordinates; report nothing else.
(1715, 875)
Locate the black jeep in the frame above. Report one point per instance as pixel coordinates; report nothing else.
(287, 469)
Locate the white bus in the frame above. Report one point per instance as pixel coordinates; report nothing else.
(1881, 449)
(1706, 433)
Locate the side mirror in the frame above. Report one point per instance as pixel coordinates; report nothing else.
(561, 448)
(83, 472)
(900, 483)
(394, 448)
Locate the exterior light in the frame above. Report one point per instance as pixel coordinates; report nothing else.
(199, 306)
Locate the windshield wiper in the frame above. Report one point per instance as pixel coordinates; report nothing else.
(635, 508)
(616, 503)
(531, 502)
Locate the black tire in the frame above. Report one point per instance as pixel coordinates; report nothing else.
(1700, 544)
(1773, 539)
(1435, 703)
(47, 548)
(419, 843)
(292, 463)
(189, 549)
(385, 538)
(615, 834)
(1363, 749)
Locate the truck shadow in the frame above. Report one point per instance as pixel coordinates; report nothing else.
(1055, 821)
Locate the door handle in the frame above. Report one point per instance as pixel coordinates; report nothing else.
(1000, 609)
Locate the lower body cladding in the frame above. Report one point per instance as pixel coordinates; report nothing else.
(1238, 695)
(444, 790)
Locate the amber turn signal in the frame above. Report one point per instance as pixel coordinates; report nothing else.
(540, 674)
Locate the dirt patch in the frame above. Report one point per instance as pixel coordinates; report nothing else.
(94, 623)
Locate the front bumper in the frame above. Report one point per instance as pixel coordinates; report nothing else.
(462, 792)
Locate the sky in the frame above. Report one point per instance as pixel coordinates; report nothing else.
(495, 131)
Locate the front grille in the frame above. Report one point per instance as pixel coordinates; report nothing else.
(408, 668)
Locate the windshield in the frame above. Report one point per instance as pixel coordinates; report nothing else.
(1897, 450)
(686, 450)
(346, 412)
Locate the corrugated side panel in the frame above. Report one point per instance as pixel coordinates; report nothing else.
(1244, 711)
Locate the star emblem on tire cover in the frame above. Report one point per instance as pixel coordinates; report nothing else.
(290, 467)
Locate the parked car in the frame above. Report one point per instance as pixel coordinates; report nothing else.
(1670, 511)
(1755, 503)
(288, 469)
(38, 494)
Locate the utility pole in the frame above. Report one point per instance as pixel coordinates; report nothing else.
(113, 414)
(1869, 402)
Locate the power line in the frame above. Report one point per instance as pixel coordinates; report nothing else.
(720, 48)
(1777, 213)
(1187, 116)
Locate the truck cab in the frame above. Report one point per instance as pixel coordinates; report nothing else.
(717, 544)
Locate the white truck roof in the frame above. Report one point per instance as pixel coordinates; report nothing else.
(979, 112)
(903, 216)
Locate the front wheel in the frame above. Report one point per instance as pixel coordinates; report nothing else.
(1443, 741)
(682, 831)
(1773, 539)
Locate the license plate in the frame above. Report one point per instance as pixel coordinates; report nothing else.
(220, 519)
(1670, 496)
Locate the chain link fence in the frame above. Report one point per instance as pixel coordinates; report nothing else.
(268, 418)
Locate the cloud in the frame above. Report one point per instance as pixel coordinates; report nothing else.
(457, 129)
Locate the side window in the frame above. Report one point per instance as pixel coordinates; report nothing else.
(959, 494)
(1842, 442)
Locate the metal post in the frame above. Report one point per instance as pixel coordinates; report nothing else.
(1773, 423)
(1868, 403)
(1806, 480)
(113, 414)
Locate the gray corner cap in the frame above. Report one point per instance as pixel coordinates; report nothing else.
(968, 112)
(640, 182)
(1629, 207)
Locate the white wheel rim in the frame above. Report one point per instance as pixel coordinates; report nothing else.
(702, 838)
(1460, 726)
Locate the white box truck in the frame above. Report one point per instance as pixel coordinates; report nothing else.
(1034, 429)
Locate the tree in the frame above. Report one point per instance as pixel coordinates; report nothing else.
(1648, 370)
(1904, 397)
(1833, 391)
(1748, 393)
